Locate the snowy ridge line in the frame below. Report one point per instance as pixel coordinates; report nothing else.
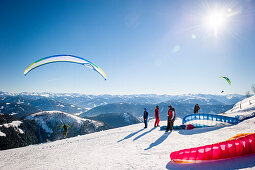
(60, 113)
(57, 116)
(15, 124)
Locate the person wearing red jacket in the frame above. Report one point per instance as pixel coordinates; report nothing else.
(171, 118)
(156, 116)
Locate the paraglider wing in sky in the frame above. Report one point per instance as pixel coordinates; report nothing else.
(227, 79)
(65, 58)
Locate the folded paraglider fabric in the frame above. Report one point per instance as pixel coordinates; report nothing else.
(239, 146)
(207, 120)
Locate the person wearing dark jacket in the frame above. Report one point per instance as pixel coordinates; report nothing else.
(196, 108)
(170, 119)
(65, 129)
(145, 117)
(156, 116)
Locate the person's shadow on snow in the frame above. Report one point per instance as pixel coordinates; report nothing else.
(130, 135)
(234, 163)
(144, 134)
(158, 141)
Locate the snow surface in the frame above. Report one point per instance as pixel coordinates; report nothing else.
(14, 113)
(244, 107)
(130, 147)
(2, 134)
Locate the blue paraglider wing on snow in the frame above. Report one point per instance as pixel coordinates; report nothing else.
(245, 117)
(207, 120)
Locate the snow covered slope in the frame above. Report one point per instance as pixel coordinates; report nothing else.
(14, 124)
(130, 147)
(50, 122)
(244, 107)
(15, 133)
(57, 116)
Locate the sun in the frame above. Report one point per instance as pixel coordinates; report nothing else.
(215, 21)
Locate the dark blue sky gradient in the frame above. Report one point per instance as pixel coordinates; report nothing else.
(143, 46)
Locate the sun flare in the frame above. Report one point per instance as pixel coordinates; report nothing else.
(216, 21)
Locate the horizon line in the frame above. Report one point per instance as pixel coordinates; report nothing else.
(131, 94)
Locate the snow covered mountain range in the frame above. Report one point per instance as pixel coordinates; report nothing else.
(42, 127)
(133, 147)
(15, 133)
(51, 122)
(137, 109)
(49, 111)
(90, 101)
(23, 104)
(46, 126)
(115, 120)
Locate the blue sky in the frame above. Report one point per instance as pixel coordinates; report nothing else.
(144, 47)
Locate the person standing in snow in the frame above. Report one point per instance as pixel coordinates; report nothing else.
(156, 116)
(65, 129)
(145, 117)
(196, 108)
(170, 119)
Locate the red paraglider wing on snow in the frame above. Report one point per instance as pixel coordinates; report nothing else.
(243, 145)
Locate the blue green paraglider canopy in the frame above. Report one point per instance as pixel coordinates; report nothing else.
(65, 58)
(227, 79)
